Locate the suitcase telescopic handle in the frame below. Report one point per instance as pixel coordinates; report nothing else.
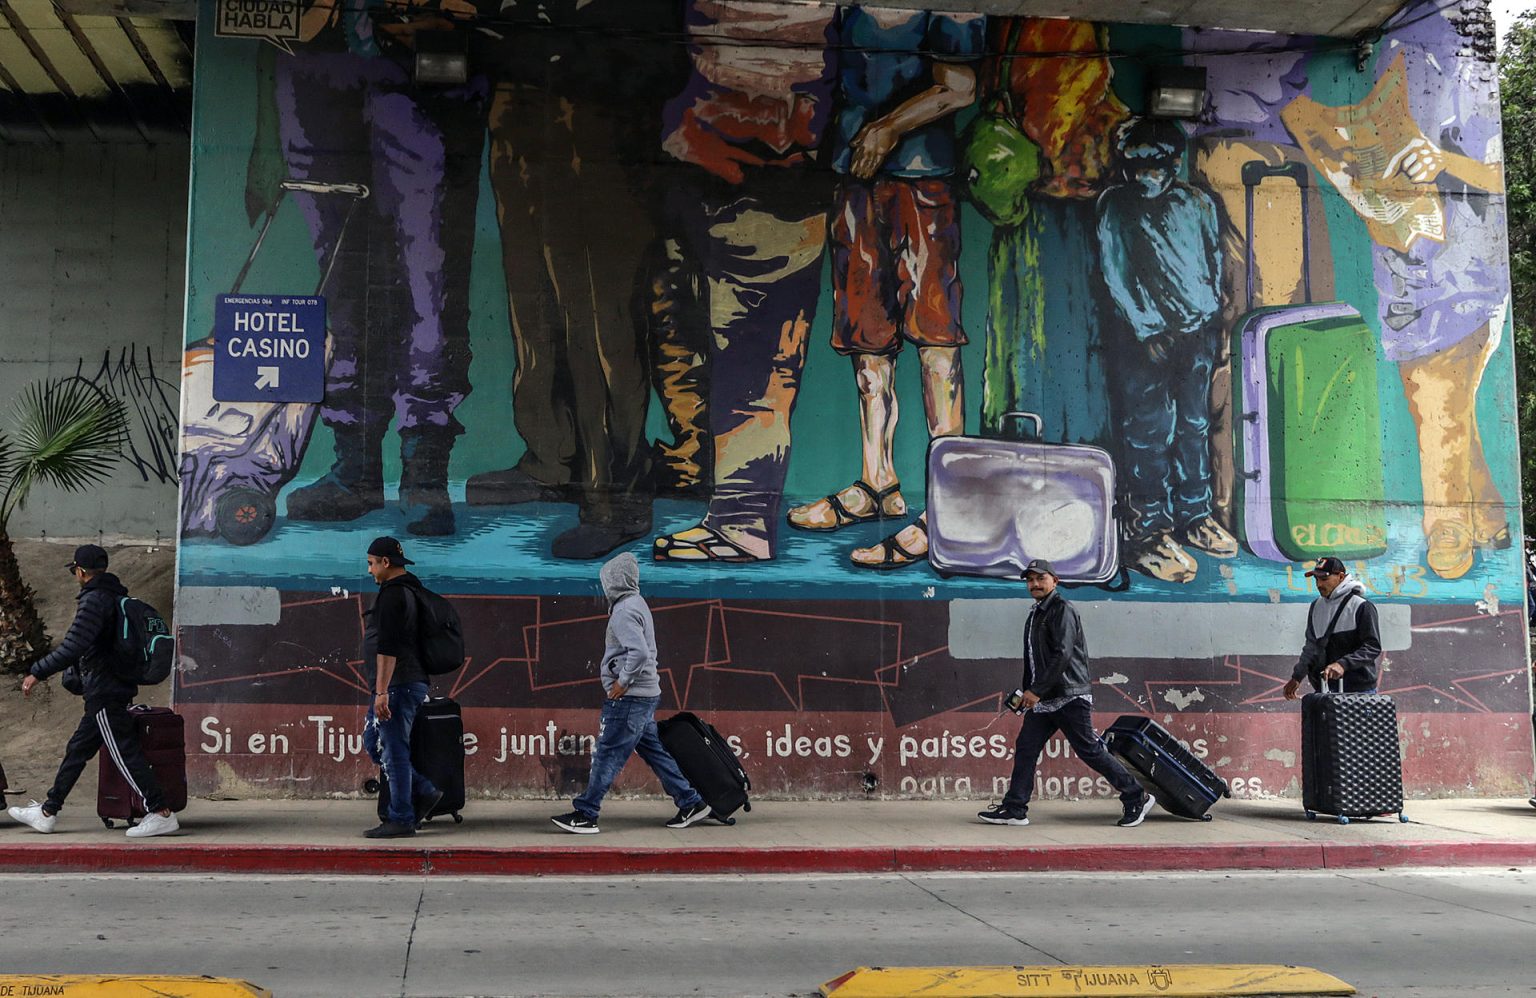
(1255, 172)
(1011, 420)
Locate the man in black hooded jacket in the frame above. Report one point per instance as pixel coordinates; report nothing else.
(1057, 695)
(85, 656)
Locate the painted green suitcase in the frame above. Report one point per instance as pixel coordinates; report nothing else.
(1308, 422)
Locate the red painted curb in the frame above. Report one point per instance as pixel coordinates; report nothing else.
(578, 861)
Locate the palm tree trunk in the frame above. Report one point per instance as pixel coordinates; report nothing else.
(22, 637)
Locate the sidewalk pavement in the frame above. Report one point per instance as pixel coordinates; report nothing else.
(516, 838)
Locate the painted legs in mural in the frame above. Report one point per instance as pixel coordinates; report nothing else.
(1165, 457)
(761, 256)
(1463, 509)
(896, 251)
(575, 229)
(676, 311)
(399, 295)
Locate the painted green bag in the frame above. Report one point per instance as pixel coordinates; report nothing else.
(1308, 418)
(1000, 163)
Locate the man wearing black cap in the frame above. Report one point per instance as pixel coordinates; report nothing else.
(1343, 634)
(1056, 695)
(391, 642)
(86, 653)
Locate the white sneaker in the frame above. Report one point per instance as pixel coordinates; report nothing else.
(33, 815)
(154, 823)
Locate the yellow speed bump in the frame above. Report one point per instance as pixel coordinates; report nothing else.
(1199, 980)
(125, 986)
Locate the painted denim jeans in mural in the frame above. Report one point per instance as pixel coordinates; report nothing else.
(388, 744)
(628, 727)
(398, 298)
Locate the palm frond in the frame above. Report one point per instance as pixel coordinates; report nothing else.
(67, 433)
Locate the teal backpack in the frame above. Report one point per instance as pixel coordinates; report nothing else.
(144, 651)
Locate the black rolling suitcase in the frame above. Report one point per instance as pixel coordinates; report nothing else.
(1181, 784)
(437, 752)
(1350, 765)
(706, 758)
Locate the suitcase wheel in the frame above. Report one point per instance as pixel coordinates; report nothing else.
(1205, 817)
(1343, 819)
(1311, 815)
(1402, 818)
(108, 822)
(370, 786)
(458, 819)
(747, 806)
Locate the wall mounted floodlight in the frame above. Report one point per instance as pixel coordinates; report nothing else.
(1176, 92)
(442, 58)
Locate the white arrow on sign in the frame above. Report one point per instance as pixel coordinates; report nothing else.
(267, 377)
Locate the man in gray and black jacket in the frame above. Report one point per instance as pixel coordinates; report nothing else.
(1343, 634)
(85, 657)
(1057, 696)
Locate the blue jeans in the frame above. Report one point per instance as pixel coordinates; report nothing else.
(388, 744)
(628, 726)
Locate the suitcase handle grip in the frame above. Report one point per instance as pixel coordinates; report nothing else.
(1010, 421)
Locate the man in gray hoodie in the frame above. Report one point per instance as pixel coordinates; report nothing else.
(1343, 636)
(633, 689)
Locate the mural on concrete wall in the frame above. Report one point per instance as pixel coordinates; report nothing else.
(644, 281)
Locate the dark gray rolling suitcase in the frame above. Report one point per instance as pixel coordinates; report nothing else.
(437, 752)
(709, 763)
(1182, 784)
(1350, 764)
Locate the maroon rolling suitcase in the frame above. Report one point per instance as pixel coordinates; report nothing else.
(162, 736)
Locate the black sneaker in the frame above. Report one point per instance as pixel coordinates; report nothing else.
(1001, 815)
(1136, 812)
(578, 823)
(688, 815)
(426, 805)
(390, 830)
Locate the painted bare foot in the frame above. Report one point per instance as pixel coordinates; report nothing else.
(908, 547)
(858, 503)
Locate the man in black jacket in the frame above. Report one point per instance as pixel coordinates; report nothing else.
(1057, 696)
(86, 653)
(1343, 635)
(391, 644)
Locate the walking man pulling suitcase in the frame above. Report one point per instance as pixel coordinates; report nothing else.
(391, 641)
(85, 658)
(1056, 696)
(1343, 636)
(628, 724)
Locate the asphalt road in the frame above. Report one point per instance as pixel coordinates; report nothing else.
(1389, 933)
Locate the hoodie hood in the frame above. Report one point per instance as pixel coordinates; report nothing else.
(1324, 607)
(620, 577)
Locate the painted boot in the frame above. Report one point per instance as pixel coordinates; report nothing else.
(424, 452)
(352, 488)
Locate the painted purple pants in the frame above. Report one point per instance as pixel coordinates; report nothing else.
(398, 298)
(761, 262)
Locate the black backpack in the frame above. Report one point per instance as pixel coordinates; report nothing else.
(143, 650)
(439, 635)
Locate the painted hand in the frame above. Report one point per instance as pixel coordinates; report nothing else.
(1158, 347)
(870, 148)
(1420, 159)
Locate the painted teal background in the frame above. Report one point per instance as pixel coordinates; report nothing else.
(497, 552)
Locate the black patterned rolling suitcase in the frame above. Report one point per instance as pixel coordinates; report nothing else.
(1181, 783)
(708, 761)
(1350, 763)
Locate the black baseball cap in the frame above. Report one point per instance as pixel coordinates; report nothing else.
(89, 557)
(1326, 567)
(1041, 567)
(388, 547)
